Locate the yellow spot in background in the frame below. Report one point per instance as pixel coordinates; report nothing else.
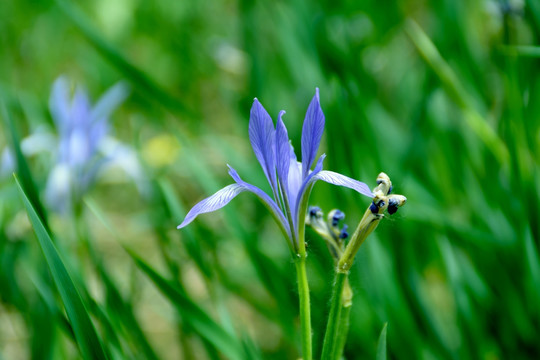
(161, 150)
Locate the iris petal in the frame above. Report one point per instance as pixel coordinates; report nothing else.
(59, 103)
(330, 177)
(109, 101)
(309, 180)
(101, 111)
(80, 110)
(283, 149)
(262, 137)
(295, 180)
(213, 203)
(312, 131)
(342, 180)
(266, 200)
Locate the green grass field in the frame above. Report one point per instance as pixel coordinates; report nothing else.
(444, 97)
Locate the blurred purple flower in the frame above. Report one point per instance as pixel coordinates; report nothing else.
(291, 181)
(82, 132)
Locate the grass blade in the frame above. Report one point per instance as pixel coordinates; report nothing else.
(521, 50)
(85, 333)
(22, 168)
(381, 347)
(455, 89)
(124, 314)
(193, 314)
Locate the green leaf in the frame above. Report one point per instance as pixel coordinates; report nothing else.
(455, 89)
(193, 314)
(521, 50)
(22, 168)
(381, 347)
(85, 333)
(123, 313)
(177, 211)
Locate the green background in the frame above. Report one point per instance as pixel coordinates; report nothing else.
(443, 96)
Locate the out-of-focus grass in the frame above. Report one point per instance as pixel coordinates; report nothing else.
(448, 108)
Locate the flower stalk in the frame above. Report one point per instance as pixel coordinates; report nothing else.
(305, 307)
(343, 325)
(341, 300)
(333, 326)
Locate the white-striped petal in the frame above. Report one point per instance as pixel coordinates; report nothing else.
(213, 203)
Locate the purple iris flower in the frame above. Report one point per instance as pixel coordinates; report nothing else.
(81, 126)
(291, 181)
(83, 130)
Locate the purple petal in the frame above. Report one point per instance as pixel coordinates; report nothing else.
(307, 182)
(214, 202)
(266, 200)
(8, 164)
(99, 114)
(342, 180)
(312, 131)
(79, 148)
(80, 110)
(109, 101)
(283, 149)
(97, 134)
(262, 137)
(294, 180)
(58, 192)
(59, 103)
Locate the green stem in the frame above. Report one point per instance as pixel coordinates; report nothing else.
(332, 328)
(343, 326)
(368, 223)
(344, 331)
(305, 311)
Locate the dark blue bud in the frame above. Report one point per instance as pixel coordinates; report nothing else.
(344, 234)
(313, 210)
(392, 206)
(374, 209)
(389, 190)
(338, 215)
(381, 203)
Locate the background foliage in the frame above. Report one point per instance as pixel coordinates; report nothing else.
(442, 96)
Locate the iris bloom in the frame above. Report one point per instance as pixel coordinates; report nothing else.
(291, 181)
(84, 144)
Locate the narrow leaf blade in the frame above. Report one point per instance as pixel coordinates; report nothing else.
(85, 333)
(193, 314)
(22, 168)
(381, 347)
